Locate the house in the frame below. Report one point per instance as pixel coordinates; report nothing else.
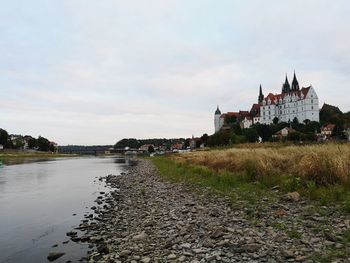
(284, 132)
(145, 147)
(177, 146)
(1, 147)
(247, 122)
(327, 130)
(194, 142)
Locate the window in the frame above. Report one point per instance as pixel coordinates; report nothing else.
(312, 107)
(312, 101)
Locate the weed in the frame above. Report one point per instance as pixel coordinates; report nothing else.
(143, 191)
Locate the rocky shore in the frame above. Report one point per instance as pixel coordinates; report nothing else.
(146, 219)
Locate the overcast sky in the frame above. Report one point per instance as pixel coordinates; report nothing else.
(93, 72)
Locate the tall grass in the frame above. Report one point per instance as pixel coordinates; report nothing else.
(323, 164)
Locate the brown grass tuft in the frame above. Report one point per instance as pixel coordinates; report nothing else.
(323, 164)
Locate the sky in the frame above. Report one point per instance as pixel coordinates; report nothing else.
(93, 72)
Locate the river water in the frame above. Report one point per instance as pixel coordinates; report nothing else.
(38, 201)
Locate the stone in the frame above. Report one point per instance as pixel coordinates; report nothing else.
(124, 253)
(145, 260)
(293, 196)
(71, 233)
(54, 255)
(140, 236)
(251, 248)
(288, 253)
(185, 245)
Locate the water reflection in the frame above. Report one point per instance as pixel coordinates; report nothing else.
(37, 201)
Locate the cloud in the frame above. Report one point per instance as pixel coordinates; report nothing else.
(96, 72)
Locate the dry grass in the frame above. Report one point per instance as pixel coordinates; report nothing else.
(323, 164)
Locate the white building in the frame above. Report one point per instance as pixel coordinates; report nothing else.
(291, 103)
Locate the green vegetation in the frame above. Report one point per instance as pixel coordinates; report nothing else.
(236, 186)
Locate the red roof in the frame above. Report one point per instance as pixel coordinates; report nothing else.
(235, 114)
(277, 97)
(328, 127)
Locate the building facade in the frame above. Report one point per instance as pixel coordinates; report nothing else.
(292, 103)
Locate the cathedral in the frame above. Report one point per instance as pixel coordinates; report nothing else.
(293, 102)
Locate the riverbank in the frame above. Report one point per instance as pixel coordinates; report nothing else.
(26, 157)
(148, 218)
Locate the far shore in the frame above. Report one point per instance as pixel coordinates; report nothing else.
(24, 157)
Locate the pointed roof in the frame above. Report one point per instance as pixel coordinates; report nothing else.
(286, 86)
(260, 91)
(217, 112)
(295, 83)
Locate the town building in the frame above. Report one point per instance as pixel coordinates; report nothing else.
(292, 103)
(283, 133)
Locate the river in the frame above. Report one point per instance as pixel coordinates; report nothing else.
(41, 201)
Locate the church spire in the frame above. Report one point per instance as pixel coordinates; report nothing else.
(217, 112)
(295, 83)
(261, 95)
(286, 86)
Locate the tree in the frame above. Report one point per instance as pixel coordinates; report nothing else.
(230, 119)
(43, 144)
(204, 139)
(187, 143)
(295, 123)
(251, 135)
(4, 137)
(151, 149)
(264, 131)
(275, 120)
(18, 143)
(221, 138)
(32, 143)
(132, 143)
(237, 129)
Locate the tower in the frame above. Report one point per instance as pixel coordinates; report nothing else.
(295, 83)
(286, 86)
(261, 95)
(217, 119)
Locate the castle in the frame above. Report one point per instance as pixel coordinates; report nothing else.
(293, 102)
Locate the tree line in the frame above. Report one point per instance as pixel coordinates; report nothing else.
(20, 142)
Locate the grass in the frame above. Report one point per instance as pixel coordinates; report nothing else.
(317, 172)
(236, 186)
(323, 164)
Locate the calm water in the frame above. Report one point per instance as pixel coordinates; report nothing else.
(37, 203)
